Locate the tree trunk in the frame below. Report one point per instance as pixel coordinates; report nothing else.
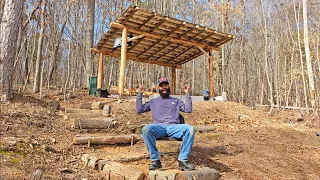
(89, 39)
(57, 45)
(307, 50)
(266, 56)
(36, 84)
(296, 15)
(9, 29)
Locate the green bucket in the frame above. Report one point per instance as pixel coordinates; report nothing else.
(92, 85)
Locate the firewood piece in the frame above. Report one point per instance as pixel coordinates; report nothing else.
(101, 164)
(106, 110)
(92, 123)
(82, 115)
(202, 129)
(121, 139)
(86, 158)
(93, 162)
(126, 171)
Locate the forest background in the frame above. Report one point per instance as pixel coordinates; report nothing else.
(274, 59)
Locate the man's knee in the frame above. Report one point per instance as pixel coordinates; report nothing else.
(146, 129)
(191, 130)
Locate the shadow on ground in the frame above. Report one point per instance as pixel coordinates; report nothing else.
(202, 156)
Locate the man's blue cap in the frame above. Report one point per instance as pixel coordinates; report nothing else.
(162, 80)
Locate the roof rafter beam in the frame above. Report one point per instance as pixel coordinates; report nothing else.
(180, 54)
(155, 43)
(171, 39)
(167, 52)
(110, 53)
(131, 14)
(164, 20)
(224, 40)
(167, 42)
(106, 39)
(145, 22)
(186, 60)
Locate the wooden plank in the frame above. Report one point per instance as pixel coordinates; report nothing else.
(147, 20)
(155, 43)
(123, 61)
(211, 88)
(101, 43)
(225, 39)
(100, 72)
(204, 52)
(173, 79)
(167, 52)
(180, 41)
(134, 58)
(189, 59)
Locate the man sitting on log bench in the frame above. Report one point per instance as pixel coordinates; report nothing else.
(166, 123)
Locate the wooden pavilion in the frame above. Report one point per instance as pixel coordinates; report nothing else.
(155, 39)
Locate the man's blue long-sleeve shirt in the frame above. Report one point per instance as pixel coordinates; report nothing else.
(164, 111)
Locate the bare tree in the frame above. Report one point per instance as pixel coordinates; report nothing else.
(89, 39)
(307, 50)
(36, 82)
(9, 29)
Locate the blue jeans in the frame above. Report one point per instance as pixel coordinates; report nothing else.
(152, 132)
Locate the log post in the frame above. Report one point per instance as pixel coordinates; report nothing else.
(173, 79)
(211, 88)
(100, 72)
(123, 61)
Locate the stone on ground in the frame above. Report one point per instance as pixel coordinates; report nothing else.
(198, 174)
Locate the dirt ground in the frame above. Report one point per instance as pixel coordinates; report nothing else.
(248, 143)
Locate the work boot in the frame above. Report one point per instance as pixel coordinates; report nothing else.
(185, 166)
(155, 165)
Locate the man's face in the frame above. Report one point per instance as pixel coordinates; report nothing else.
(164, 90)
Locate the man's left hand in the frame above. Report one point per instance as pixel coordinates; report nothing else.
(186, 88)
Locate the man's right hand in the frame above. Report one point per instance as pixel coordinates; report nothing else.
(140, 88)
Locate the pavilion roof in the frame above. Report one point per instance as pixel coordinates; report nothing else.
(159, 39)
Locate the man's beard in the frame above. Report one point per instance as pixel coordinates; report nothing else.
(164, 95)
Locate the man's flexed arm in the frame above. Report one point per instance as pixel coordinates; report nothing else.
(141, 108)
(186, 107)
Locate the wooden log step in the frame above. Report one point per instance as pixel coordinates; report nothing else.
(77, 110)
(93, 105)
(110, 140)
(105, 123)
(82, 115)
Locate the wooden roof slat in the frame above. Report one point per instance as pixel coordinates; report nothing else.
(117, 25)
(146, 21)
(192, 57)
(180, 54)
(133, 58)
(165, 39)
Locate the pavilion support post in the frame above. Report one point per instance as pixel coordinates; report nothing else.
(211, 88)
(123, 61)
(173, 79)
(100, 72)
